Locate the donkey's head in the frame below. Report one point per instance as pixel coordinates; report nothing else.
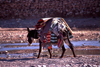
(32, 34)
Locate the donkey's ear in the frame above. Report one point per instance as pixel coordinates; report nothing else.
(28, 29)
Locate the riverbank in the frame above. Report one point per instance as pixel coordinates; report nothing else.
(19, 35)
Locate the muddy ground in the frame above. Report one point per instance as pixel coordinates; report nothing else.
(14, 31)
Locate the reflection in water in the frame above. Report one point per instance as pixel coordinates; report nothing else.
(75, 43)
(19, 48)
(23, 55)
(84, 51)
(67, 53)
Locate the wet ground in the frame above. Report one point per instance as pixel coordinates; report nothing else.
(81, 48)
(23, 46)
(22, 55)
(14, 44)
(14, 51)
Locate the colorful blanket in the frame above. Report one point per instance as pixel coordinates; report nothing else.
(53, 35)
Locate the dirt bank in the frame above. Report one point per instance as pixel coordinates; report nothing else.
(20, 36)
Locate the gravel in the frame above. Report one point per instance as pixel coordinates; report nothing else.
(79, 61)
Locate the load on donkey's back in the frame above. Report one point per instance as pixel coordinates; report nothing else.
(51, 30)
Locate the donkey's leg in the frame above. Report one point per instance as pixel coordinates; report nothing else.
(49, 50)
(39, 48)
(63, 51)
(67, 41)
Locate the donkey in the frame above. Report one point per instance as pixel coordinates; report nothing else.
(33, 34)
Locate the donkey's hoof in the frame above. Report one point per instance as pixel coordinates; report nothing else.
(50, 57)
(60, 56)
(75, 56)
(38, 57)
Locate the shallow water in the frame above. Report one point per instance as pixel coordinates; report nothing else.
(80, 43)
(90, 51)
(75, 43)
(23, 55)
(57, 53)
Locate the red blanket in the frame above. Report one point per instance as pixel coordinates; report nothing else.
(41, 24)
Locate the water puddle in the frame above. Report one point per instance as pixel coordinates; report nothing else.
(84, 51)
(35, 45)
(19, 48)
(23, 55)
(86, 43)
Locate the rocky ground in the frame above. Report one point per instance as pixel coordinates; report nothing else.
(12, 36)
(17, 33)
(79, 61)
(55, 61)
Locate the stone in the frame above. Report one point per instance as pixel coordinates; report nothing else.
(8, 56)
(86, 39)
(21, 41)
(20, 36)
(95, 66)
(87, 65)
(67, 65)
(6, 52)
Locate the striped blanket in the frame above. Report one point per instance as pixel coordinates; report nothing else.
(50, 36)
